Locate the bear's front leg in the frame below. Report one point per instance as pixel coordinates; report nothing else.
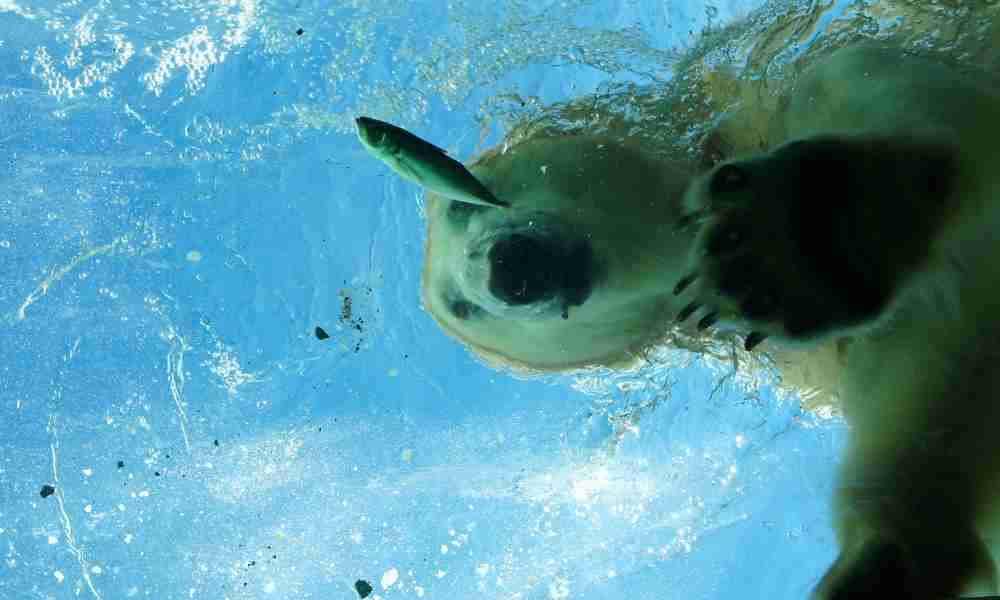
(818, 235)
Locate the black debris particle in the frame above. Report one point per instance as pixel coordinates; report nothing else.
(157, 473)
(321, 334)
(347, 313)
(216, 443)
(121, 464)
(299, 31)
(346, 308)
(48, 490)
(363, 587)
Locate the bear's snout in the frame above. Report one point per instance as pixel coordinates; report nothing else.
(527, 269)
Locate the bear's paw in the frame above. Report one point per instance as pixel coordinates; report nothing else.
(799, 242)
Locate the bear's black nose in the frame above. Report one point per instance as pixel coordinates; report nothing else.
(527, 268)
(523, 269)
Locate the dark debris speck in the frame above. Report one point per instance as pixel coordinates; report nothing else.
(321, 334)
(346, 307)
(363, 587)
(47, 490)
(299, 31)
(121, 464)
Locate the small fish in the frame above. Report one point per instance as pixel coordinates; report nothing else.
(423, 163)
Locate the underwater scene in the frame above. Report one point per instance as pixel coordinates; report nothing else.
(247, 353)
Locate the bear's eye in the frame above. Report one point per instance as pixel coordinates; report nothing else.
(459, 213)
(463, 309)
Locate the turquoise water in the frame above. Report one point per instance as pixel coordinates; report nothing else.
(184, 202)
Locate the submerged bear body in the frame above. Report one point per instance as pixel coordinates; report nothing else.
(869, 223)
(875, 218)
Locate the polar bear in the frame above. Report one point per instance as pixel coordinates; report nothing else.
(869, 222)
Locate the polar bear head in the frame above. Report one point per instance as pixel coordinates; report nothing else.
(578, 271)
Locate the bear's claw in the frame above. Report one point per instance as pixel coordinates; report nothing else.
(708, 320)
(684, 283)
(687, 311)
(753, 340)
